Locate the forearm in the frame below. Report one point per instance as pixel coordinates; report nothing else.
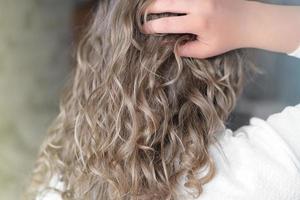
(274, 27)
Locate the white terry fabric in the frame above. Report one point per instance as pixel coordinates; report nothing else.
(295, 53)
(260, 161)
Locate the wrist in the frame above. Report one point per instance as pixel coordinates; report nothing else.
(272, 27)
(253, 27)
(247, 30)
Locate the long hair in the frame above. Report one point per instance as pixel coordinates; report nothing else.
(135, 116)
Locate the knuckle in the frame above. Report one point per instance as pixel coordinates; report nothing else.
(211, 6)
(203, 23)
(166, 22)
(162, 24)
(151, 27)
(159, 25)
(205, 16)
(208, 8)
(170, 2)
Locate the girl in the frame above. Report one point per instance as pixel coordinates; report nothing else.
(144, 115)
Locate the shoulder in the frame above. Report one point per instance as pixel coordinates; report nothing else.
(286, 124)
(277, 137)
(259, 160)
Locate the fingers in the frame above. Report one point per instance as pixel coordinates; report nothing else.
(175, 6)
(175, 24)
(194, 49)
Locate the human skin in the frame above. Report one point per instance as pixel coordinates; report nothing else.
(224, 25)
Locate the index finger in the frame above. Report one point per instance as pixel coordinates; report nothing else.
(174, 24)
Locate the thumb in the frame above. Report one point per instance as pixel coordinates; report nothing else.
(194, 49)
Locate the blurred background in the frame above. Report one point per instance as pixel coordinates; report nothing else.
(37, 38)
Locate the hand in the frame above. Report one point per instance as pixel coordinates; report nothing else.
(218, 24)
(224, 25)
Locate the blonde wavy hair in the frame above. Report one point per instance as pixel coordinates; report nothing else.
(135, 116)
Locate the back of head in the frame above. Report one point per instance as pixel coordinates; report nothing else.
(136, 116)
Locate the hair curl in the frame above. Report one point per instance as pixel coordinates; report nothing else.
(135, 116)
